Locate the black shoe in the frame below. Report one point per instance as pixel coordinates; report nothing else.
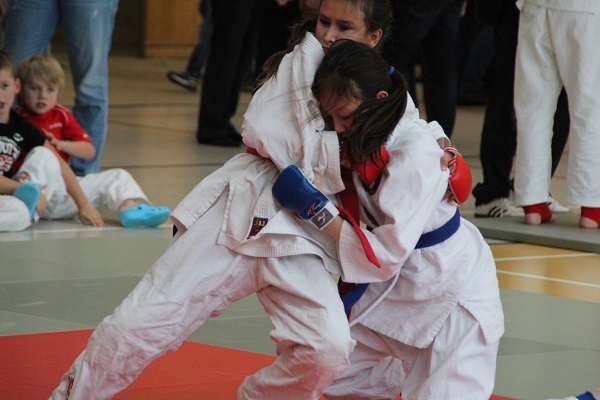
(224, 141)
(189, 82)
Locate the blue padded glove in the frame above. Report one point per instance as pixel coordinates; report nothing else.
(294, 192)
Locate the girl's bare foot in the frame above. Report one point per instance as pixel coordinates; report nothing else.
(536, 214)
(590, 217)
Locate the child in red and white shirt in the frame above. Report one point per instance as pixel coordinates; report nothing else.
(42, 78)
(58, 125)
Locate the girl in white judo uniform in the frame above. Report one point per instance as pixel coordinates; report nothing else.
(430, 328)
(234, 240)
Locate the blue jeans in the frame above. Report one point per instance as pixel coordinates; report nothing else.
(88, 25)
(202, 49)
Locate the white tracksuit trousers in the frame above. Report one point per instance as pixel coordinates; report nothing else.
(107, 188)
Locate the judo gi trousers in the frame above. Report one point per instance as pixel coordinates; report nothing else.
(458, 364)
(196, 279)
(557, 47)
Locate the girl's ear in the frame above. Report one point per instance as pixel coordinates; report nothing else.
(17, 85)
(375, 37)
(382, 94)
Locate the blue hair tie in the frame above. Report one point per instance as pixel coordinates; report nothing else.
(391, 70)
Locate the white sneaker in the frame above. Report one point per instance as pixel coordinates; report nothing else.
(556, 207)
(499, 208)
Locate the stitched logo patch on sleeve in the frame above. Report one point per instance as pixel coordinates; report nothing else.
(257, 225)
(322, 218)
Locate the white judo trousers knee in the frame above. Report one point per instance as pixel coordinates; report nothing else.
(196, 279)
(459, 364)
(548, 58)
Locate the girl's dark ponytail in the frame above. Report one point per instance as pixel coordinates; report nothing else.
(376, 119)
(352, 70)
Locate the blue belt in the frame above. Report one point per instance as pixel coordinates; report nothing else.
(426, 240)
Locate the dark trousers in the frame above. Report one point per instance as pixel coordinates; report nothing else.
(499, 134)
(202, 48)
(428, 29)
(231, 46)
(274, 23)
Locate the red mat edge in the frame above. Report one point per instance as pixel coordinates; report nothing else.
(23, 387)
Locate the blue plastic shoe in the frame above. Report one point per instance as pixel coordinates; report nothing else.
(28, 193)
(144, 215)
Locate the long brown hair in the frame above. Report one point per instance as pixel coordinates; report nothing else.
(352, 70)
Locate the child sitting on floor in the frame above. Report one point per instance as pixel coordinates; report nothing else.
(42, 78)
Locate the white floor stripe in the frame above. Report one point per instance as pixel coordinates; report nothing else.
(545, 278)
(545, 257)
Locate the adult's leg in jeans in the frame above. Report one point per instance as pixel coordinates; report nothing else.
(499, 134)
(439, 68)
(88, 30)
(202, 48)
(28, 28)
(232, 39)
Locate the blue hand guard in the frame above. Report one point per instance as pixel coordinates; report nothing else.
(294, 192)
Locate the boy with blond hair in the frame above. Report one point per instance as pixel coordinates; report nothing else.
(26, 156)
(41, 78)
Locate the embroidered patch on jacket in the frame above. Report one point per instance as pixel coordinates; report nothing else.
(70, 382)
(257, 225)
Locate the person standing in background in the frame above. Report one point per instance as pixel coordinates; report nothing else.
(275, 19)
(190, 78)
(234, 33)
(499, 133)
(557, 46)
(29, 26)
(431, 27)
